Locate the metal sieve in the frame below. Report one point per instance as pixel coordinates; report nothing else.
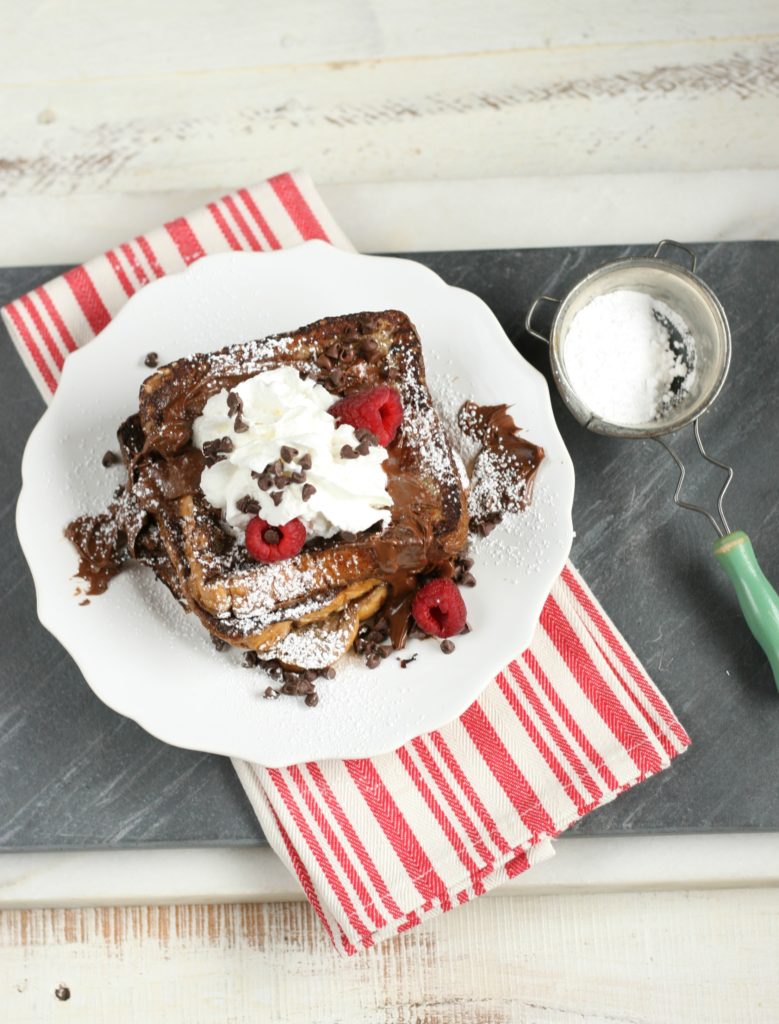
(699, 307)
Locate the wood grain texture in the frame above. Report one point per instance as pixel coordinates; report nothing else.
(543, 960)
(648, 106)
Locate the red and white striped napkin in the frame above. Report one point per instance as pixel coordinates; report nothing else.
(378, 844)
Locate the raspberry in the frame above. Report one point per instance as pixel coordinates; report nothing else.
(439, 609)
(378, 410)
(268, 543)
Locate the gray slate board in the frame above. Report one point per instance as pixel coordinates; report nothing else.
(75, 775)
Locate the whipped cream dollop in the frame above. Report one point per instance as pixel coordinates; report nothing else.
(279, 409)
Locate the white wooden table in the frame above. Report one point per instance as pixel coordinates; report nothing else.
(428, 125)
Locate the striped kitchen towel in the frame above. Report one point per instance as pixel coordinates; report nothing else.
(381, 843)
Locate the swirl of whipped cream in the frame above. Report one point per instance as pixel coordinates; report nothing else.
(280, 409)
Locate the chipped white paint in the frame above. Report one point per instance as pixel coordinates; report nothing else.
(652, 958)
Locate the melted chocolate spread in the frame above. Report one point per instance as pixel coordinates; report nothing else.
(504, 470)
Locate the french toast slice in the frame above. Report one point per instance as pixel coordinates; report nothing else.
(302, 612)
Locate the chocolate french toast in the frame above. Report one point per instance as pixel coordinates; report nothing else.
(289, 489)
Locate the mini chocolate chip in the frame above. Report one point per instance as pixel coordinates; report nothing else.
(329, 673)
(220, 445)
(466, 563)
(151, 359)
(250, 659)
(466, 629)
(447, 646)
(234, 403)
(308, 491)
(271, 535)
(281, 480)
(276, 497)
(363, 448)
(347, 355)
(332, 352)
(249, 506)
(110, 459)
(324, 363)
(62, 992)
(486, 528)
(336, 377)
(377, 636)
(305, 461)
(219, 643)
(359, 646)
(240, 426)
(385, 650)
(348, 536)
(468, 580)
(373, 660)
(287, 453)
(270, 693)
(369, 346)
(277, 467)
(312, 700)
(347, 452)
(264, 482)
(298, 478)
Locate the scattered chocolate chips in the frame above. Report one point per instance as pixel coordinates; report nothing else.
(312, 699)
(308, 491)
(447, 646)
(271, 535)
(332, 352)
(110, 459)
(270, 693)
(373, 660)
(324, 363)
(305, 461)
(336, 377)
(287, 453)
(249, 506)
(298, 478)
(277, 467)
(281, 481)
(347, 452)
(240, 426)
(466, 629)
(363, 448)
(62, 992)
(405, 662)
(329, 673)
(347, 355)
(276, 497)
(151, 359)
(348, 536)
(219, 643)
(215, 450)
(264, 480)
(370, 346)
(250, 659)
(468, 580)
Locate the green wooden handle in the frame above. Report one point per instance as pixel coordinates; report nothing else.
(758, 599)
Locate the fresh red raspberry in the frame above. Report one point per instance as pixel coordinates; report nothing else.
(378, 410)
(268, 543)
(439, 609)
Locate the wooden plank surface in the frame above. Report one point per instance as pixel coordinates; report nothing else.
(653, 958)
(660, 100)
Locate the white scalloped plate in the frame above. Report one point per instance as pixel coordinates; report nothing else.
(148, 659)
